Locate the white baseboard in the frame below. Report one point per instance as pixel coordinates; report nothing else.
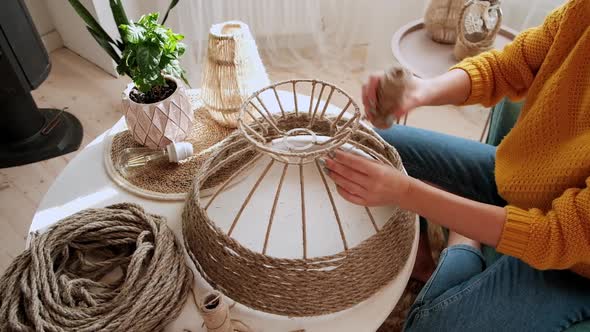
(52, 41)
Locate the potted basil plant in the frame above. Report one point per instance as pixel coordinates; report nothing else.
(156, 107)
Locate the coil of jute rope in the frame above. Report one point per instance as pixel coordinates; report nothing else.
(112, 269)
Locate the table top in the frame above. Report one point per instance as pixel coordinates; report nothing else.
(84, 183)
(415, 50)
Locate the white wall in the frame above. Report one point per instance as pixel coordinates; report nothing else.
(520, 14)
(74, 34)
(44, 24)
(388, 14)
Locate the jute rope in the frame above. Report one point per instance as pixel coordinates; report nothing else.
(259, 125)
(111, 269)
(296, 287)
(390, 94)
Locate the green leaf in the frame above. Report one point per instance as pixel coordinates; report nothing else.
(105, 45)
(150, 51)
(132, 33)
(173, 4)
(174, 69)
(149, 21)
(122, 69)
(183, 76)
(119, 14)
(91, 22)
(148, 56)
(180, 49)
(148, 59)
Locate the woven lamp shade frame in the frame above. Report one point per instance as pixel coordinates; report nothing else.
(306, 286)
(232, 71)
(159, 124)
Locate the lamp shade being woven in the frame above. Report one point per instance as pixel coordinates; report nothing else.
(282, 240)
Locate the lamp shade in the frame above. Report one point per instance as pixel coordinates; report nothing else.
(232, 71)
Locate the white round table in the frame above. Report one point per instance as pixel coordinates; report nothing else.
(85, 184)
(414, 49)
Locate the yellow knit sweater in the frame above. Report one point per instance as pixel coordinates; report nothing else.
(543, 164)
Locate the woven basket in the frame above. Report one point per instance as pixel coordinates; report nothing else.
(464, 47)
(232, 71)
(158, 124)
(311, 285)
(441, 20)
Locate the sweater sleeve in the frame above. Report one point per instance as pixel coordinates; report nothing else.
(558, 239)
(511, 71)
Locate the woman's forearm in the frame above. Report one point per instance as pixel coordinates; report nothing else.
(478, 221)
(450, 88)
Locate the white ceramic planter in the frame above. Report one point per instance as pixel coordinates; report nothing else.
(158, 124)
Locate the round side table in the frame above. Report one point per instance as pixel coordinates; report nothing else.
(416, 51)
(84, 183)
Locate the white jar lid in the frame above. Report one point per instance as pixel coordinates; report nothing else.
(179, 151)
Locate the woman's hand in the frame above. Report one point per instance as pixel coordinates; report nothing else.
(450, 88)
(370, 183)
(366, 182)
(414, 96)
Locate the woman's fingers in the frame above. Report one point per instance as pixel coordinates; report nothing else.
(372, 87)
(366, 104)
(350, 197)
(346, 172)
(398, 114)
(358, 163)
(349, 186)
(365, 96)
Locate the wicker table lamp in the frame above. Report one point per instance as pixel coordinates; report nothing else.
(232, 71)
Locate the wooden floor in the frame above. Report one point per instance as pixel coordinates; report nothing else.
(94, 96)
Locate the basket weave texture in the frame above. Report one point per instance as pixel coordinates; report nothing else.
(309, 286)
(232, 71)
(441, 20)
(464, 47)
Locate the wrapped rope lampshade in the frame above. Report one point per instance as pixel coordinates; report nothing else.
(282, 240)
(232, 71)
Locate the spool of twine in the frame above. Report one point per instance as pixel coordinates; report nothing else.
(215, 313)
(232, 71)
(465, 48)
(111, 269)
(390, 94)
(216, 316)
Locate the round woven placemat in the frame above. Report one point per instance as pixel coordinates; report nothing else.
(171, 181)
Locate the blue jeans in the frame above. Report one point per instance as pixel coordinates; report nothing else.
(464, 293)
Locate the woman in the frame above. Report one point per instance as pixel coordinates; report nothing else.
(529, 198)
